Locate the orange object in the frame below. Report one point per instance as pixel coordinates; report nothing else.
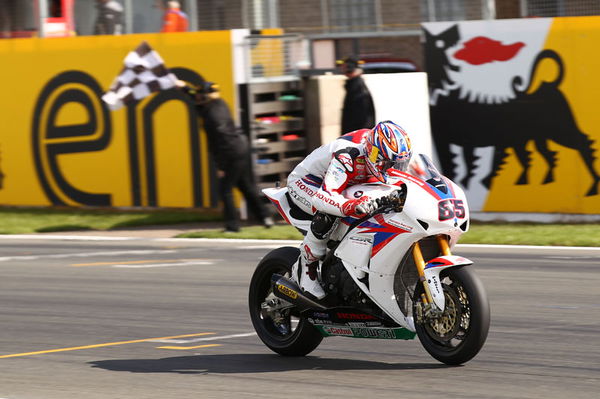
(175, 20)
(290, 137)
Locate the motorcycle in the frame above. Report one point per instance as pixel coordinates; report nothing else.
(387, 275)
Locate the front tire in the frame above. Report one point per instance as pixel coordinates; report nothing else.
(278, 329)
(459, 333)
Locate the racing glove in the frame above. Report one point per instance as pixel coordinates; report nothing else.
(359, 207)
(394, 199)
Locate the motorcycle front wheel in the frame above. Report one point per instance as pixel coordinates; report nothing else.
(459, 333)
(283, 331)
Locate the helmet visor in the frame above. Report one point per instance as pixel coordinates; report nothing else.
(398, 164)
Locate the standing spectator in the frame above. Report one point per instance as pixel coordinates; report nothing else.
(175, 20)
(231, 151)
(358, 111)
(110, 18)
(5, 19)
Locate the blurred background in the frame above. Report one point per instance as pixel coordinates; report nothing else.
(275, 63)
(369, 27)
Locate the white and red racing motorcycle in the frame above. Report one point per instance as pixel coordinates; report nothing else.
(388, 275)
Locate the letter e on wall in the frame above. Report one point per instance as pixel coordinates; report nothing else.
(55, 132)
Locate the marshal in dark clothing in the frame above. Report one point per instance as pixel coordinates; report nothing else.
(225, 140)
(358, 111)
(231, 151)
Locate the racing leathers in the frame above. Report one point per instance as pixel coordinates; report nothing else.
(316, 186)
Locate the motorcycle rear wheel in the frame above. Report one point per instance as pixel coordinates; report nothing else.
(281, 337)
(460, 332)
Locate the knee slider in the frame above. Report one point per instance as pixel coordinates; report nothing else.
(322, 225)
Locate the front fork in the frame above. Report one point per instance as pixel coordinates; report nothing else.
(433, 298)
(420, 262)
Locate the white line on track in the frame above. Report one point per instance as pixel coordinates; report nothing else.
(272, 246)
(191, 340)
(86, 254)
(252, 243)
(149, 265)
(64, 237)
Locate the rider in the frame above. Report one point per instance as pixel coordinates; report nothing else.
(316, 185)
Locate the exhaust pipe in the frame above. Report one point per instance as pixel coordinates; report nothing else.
(289, 291)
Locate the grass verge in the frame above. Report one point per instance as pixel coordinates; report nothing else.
(24, 221)
(575, 235)
(578, 235)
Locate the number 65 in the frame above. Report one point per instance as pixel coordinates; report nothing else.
(450, 208)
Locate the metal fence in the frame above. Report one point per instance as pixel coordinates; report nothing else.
(561, 8)
(26, 18)
(275, 57)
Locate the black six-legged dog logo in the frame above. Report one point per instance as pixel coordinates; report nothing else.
(541, 116)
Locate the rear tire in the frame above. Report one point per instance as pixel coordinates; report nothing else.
(280, 336)
(458, 335)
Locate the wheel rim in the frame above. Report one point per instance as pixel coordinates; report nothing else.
(279, 325)
(449, 330)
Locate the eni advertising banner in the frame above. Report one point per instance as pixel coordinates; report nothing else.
(61, 146)
(513, 111)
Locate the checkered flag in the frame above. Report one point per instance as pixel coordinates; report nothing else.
(144, 73)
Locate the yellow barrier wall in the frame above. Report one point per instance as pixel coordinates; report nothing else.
(59, 144)
(513, 105)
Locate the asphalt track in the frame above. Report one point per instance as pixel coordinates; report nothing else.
(143, 318)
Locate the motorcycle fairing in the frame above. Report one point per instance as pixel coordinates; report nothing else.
(365, 332)
(432, 275)
(383, 232)
(355, 251)
(285, 208)
(347, 316)
(393, 234)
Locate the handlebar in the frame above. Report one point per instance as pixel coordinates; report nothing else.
(393, 202)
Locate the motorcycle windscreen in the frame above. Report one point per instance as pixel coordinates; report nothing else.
(422, 167)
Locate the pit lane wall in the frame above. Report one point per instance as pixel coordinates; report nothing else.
(61, 146)
(514, 112)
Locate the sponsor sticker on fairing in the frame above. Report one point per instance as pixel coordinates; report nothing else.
(360, 332)
(400, 225)
(379, 333)
(435, 284)
(299, 198)
(356, 324)
(338, 331)
(366, 332)
(361, 240)
(320, 321)
(355, 316)
(287, 291)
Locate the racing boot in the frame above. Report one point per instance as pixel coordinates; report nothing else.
(309, 281)
(305, 272)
